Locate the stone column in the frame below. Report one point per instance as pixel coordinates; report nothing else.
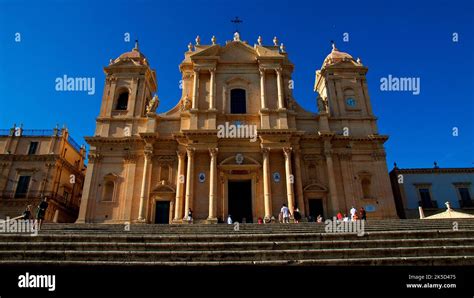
(331, 176)
(289, 179)
(280, 88)
(130, 160)
(262, 89)
(178, 207)
(143, 192)
(299, 182)
(212, 89)
(86, 201)
(213, 185)
(266, 183)
(189, 181)
(195, 88)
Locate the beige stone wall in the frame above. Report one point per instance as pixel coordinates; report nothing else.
(50, 169)
(329, 166)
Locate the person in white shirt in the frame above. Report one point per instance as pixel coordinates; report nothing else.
(353, 212)
(229, 220)
(346, 218)
(286, 214)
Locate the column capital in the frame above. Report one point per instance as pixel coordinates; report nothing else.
(262, 71)
(328, 152)
(278, 70)
(148, 154)
(190, 152)
(130, 158)
(287, 151)
(94, 157)
(196, 69)
(265, 151)
(212, 70)
(148, 151)
(213, 152)
(181, 154)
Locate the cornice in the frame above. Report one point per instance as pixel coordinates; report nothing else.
(433, 170)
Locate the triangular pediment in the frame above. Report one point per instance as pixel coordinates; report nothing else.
(237, 51)
(207, 52)
(268, 52)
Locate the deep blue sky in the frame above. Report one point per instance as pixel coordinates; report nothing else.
(402, 38)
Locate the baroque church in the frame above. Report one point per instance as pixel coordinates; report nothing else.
(146, 167)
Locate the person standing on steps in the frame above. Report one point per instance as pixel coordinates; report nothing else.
(286, 213)
(40, 214)
(190, 215)
(353, 212)
(27, 213)
(229, 220)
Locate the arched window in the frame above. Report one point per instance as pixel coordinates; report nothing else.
(237, 101)
(365, 182)
(108, 193)
(122, 101)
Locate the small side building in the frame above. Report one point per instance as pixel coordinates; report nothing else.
(39, 163)
(431, 188)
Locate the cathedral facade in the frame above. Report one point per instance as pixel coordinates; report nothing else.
(236, 142)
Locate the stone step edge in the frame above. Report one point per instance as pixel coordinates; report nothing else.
(236, 234)
(403, 261)
(239, 243)
(131, 252)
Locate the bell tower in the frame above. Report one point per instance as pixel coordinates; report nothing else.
(343, 94)
(129, 87)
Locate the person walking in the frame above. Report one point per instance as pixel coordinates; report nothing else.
(297, 215)
(363, 214)
(41, 213)
(229, 220)
(286, 213)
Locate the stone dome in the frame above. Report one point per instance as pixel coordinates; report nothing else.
(336, 56)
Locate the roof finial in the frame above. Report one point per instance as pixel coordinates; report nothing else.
(213, 39)
(190, 47)
(236, 36)
(282, 48)
(333, 45)
(275, 41)
(198, 40)
(359, 61)
(136, 45)
(259, 40)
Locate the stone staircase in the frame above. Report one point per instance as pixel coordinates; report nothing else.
(385, 242)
